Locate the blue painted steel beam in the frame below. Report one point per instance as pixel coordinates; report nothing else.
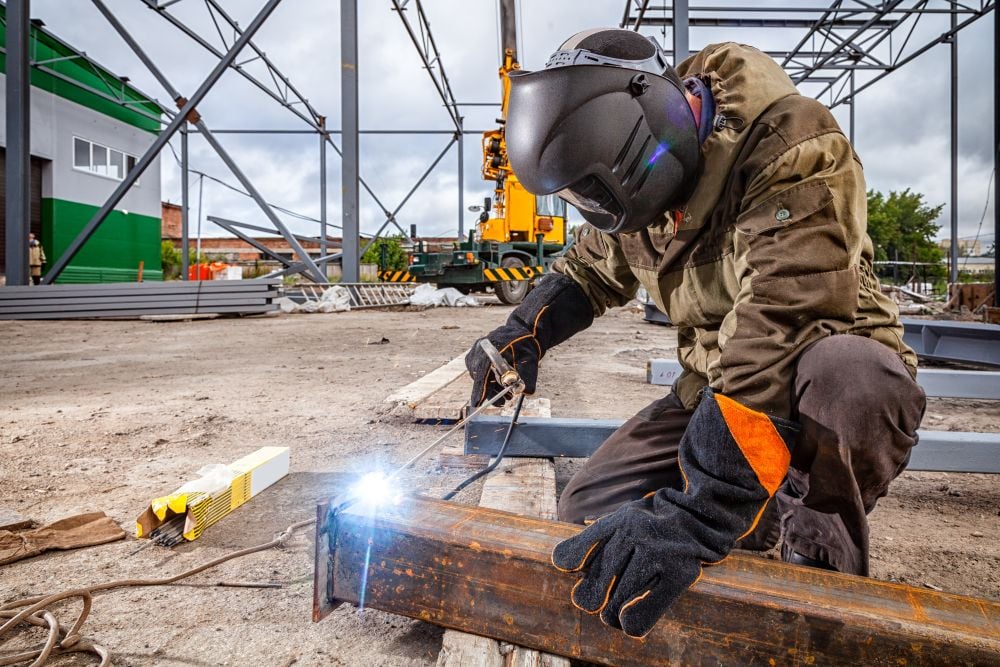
(965, 342)
(946, 451)
(937, 382)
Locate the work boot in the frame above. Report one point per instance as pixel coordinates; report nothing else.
(789, 555)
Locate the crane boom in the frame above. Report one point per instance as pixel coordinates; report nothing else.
(508, 30)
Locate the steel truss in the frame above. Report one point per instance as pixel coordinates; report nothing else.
(847, 47)
(186, 120)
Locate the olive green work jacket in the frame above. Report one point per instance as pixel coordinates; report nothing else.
(771, 253)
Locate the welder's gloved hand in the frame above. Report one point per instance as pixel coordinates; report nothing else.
(552, 312)
(638, 560)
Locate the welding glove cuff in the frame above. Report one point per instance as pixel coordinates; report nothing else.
(552, 312)
(81, 530)
(638, 560)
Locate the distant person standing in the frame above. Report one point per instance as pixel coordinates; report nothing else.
(36, 257)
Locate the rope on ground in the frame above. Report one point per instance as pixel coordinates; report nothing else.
(35, 610)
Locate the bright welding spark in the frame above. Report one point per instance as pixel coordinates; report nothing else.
(364, 575)
(660, 150)
(372, 490)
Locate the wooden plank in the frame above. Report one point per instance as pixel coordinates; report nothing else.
(447, 404)
(521, 486)
(420, 389)
(488, 572)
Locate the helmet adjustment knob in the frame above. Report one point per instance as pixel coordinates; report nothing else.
(639, 84)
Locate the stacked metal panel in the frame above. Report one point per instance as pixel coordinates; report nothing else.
(49, 302)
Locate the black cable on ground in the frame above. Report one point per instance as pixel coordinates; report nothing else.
(491, 467)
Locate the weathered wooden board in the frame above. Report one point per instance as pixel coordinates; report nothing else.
(522, 486)
(488, 572)
(420, 389)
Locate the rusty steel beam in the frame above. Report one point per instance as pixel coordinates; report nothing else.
(487, 572)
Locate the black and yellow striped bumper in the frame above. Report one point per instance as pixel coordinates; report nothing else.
(393, 276)
(513, 273)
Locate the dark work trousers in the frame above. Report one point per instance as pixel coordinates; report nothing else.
(859, 409)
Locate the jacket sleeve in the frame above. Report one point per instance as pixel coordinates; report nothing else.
(597, 264)
(798, 243)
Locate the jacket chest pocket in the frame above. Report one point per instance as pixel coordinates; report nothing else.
(795, 231)
(644, 249)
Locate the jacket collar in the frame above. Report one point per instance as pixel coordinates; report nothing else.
(744, 82)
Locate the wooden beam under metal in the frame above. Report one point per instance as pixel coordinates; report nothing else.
(487, 572)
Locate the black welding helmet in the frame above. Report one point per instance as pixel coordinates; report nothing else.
(607, 127)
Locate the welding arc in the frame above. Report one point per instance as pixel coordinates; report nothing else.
(491, 467)
(36, 610)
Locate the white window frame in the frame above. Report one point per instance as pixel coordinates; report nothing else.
(90, 169)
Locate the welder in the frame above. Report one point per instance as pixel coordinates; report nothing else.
(740, 206)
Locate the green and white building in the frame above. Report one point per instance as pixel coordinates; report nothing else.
(88, 127)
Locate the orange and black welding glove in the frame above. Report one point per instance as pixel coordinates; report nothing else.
(552, 312)
(638, 560)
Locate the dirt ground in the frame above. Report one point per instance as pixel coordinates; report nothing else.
(106, 415)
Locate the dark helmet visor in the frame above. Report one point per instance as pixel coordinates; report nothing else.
(590, 194)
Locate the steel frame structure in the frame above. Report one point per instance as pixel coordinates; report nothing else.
(843, 42)
(186, 121)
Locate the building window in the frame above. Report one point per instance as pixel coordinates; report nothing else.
(101, 160)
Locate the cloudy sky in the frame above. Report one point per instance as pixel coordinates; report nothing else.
(902, 122)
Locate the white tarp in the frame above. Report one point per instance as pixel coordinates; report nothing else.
(427, 295)
(334, 300)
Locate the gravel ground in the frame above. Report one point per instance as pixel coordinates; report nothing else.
(106, 415)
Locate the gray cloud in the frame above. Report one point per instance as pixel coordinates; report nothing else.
(902, 121)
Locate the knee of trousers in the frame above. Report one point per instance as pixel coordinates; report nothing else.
(845, 376)
(571, 507)
(859, 408)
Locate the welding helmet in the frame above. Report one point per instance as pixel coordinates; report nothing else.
(607, 127)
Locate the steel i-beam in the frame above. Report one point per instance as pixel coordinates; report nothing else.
(944, 451)
(487, 572)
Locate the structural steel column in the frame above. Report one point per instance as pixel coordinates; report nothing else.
(18, 141)
(459, 137)
(185, 204)
(322, 191)
(681, 42)
(349, 122)
(953, 250)
(996, 156)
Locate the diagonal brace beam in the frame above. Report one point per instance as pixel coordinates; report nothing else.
(212, 141)
(154, 150)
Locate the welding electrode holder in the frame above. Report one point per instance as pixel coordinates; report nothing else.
(504, 372)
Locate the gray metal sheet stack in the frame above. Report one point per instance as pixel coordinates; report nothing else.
(48, 302)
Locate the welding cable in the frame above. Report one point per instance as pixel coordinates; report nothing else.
(503, 448)
(36, 610)
(431, 447)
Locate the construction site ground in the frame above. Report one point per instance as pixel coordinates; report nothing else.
(107, 415)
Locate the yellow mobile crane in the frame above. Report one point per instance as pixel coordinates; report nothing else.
(519, 242)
